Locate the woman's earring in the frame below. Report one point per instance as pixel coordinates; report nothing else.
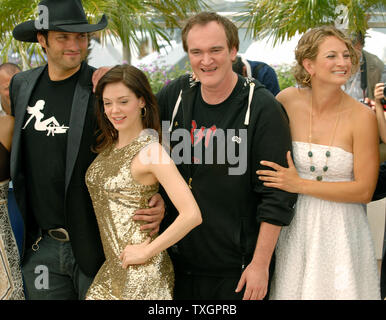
(307, 81)
(143, 112)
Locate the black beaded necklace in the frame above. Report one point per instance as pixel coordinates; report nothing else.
(319, 177)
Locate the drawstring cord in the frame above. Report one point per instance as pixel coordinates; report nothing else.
(251, 88)
(175, 110)
(247, 115)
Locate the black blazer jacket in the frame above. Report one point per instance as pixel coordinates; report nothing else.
(80, 219)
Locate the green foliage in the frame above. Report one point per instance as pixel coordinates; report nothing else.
(285, 76)
(160, 75)
(282, 19)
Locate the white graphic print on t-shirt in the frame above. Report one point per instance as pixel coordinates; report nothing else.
(51, 125)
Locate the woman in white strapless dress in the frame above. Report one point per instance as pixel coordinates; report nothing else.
(327, 251)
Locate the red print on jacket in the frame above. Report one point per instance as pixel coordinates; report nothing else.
(197, 135)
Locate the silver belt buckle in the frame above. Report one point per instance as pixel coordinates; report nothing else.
(59, 234)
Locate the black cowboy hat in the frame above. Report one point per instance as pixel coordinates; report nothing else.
(63, 15)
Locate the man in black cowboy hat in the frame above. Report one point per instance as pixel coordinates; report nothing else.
(53, 135)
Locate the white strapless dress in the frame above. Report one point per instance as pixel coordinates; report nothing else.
(327, 251)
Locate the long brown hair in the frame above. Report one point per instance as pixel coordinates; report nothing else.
(136, 81)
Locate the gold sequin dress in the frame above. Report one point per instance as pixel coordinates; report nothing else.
(116, 196)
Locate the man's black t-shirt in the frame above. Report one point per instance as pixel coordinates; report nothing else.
(44, 143)
(207, 120)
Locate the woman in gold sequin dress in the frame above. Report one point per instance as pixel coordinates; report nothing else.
(122, 179)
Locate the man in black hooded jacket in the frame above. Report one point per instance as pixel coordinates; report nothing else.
(219, 129)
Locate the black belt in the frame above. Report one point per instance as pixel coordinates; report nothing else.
(59, 234)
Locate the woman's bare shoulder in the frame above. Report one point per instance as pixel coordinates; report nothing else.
(292, 98)
(362, 118)
(359, 110)
(290, 94)
(154, 154)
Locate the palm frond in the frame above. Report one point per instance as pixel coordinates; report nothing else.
(130, 20)
(282, 19)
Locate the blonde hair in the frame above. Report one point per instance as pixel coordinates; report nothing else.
(308, 47)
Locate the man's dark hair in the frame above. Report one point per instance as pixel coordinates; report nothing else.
(44, 33)
(203, 18)
(238, 66)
